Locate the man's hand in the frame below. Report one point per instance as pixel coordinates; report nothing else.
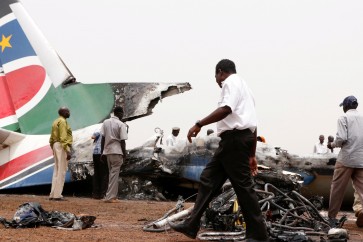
(193, 131)
(253, 166)
(69, 155)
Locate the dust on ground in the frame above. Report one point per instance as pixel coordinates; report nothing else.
(115, 221)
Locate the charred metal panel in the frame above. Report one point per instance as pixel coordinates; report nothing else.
(139, 99)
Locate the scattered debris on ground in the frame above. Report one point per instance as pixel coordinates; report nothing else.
(32, 215)
(122, 221)
(289, 215)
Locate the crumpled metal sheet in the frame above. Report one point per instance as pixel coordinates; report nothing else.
(139, 99)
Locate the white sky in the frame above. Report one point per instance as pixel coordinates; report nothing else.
(300, 58)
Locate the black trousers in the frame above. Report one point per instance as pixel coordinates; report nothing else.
(231, 160)
(100, 177)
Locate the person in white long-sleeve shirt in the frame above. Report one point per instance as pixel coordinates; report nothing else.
(171, 140)
(349, 165)
(320, 147)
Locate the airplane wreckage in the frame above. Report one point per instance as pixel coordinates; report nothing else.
(35, 83)
(153, 169)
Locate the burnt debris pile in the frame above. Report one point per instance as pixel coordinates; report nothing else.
(289, 215)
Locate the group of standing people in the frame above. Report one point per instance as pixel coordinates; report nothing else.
(322, 148)
(108, 155)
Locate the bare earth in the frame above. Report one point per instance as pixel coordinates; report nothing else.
(115, 222)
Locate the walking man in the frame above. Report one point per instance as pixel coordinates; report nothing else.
(61, 142)
(113, 145)
(349, 163)
(235, 157)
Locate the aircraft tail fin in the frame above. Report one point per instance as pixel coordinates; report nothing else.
(29, 66)
(35, 83)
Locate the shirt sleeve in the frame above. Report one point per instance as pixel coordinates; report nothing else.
(63, 135)
(123, 132)
(168, 142)
(96, 135)
(51, 139)
(102, 130)
(229, 96)
(342, 134)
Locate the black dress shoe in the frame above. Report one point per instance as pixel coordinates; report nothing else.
(333, 222)
(184, 229)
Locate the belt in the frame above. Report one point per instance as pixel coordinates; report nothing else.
(228, 133)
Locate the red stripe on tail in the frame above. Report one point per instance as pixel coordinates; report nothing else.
(22, 162)
(24, 83)
(7, 108)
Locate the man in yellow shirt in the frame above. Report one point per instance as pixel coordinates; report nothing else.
(61, 141)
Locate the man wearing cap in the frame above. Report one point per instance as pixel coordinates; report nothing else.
(349, 163)
(171, 140)
(235, 158)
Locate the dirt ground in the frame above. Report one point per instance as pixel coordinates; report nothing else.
(115, 221)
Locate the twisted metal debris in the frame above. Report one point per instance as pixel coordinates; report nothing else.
(289, 216)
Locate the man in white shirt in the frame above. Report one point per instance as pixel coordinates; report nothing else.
(349, 165)
(320, 147)
(113, 145)
(171, 140)
(235, 157)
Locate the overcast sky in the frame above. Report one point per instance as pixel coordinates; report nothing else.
(300, 58)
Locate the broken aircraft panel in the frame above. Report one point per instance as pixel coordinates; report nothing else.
(144, 96)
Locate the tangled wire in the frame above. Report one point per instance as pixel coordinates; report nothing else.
(289, 216)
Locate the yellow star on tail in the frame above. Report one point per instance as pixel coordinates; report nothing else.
(5, 43)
